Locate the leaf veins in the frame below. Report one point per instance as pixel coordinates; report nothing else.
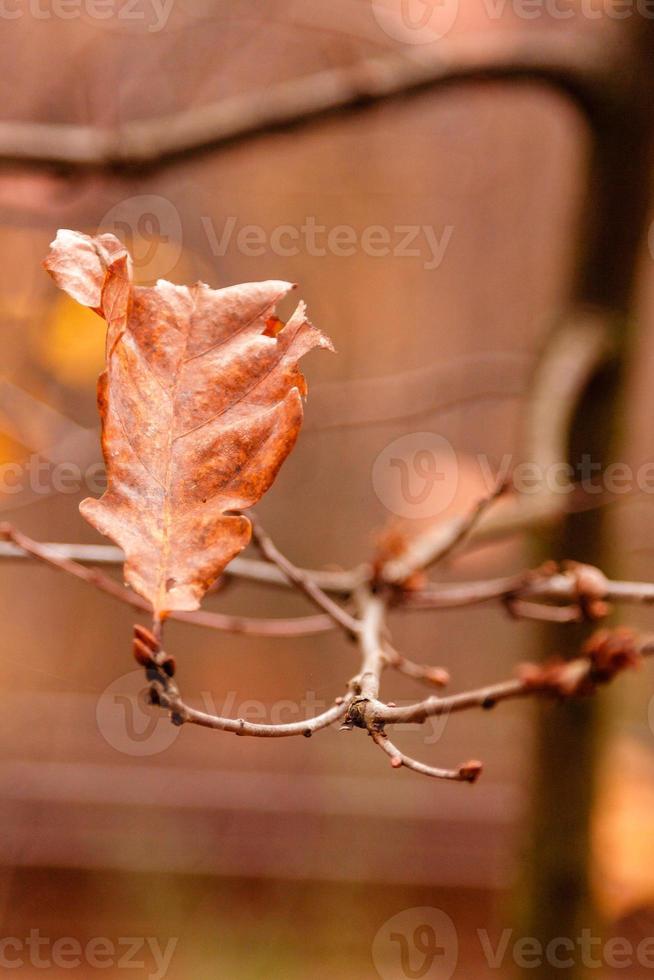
(201, 403)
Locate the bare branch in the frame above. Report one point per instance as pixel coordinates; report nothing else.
(433, 676)
(571, 357)
(340, 582)
(371, 641)
(520, 609)
(461, 594)
(583, 587)
(255, 626)
(302, 581)
(467, 773)
(160, 672)
(238, 726)
(468, 523)
(564, 679)
(576, 64)
(300, 626)
(428, 549)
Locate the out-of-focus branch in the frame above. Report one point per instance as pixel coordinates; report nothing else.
(574, 63)
(434, 545)
(572, 355)
(339, 582)
(578, 588)
(521, 609)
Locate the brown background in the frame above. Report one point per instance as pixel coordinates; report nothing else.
(285, 858)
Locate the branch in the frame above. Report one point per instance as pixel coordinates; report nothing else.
(300, 626)
(434, 676)
(373, 656)
(428, 549)
(606, 654)
(584, 587)
(572, 356)
(519, 609)
(238, 726)
(339, 582)
(160, 671)
(467, 773)
(584, 69)
(302, 581)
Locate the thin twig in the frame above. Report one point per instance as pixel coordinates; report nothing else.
(302, 581)
(433, 676)
(521, 609)
(160, 672)
(427, 549)
(238, 726)
(299, 626)
(582, 670)
(340, 582)
(467, 773)
(463, 528)
(572, 356)
(561, 587)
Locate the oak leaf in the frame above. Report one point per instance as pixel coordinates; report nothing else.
(201, 403)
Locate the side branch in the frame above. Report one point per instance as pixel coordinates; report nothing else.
(302, 581)
(238, 726)
(467, 773)
(300, 626)
(339, 582)
(160, 672)
(607, 653)
(582, 589)
(570, 359)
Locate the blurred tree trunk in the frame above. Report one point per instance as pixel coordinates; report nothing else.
(557, 899)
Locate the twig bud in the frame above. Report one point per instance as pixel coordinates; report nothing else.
(470, 772)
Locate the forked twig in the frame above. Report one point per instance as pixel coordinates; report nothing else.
(608, 653)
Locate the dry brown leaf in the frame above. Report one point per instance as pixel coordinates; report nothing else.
(200, 405)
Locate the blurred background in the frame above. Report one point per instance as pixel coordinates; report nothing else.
(286, 858)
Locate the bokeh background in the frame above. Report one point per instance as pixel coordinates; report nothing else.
(284, 859)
